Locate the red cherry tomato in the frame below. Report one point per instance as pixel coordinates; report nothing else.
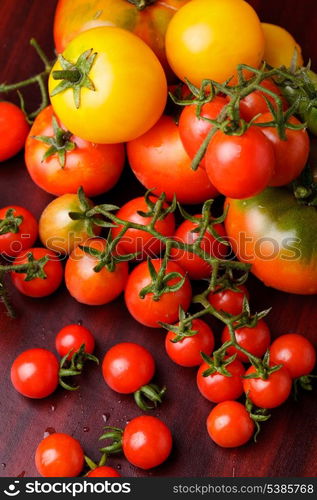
(255, 339)
(71, 338)
(103, 471)
(218, 387)
(59, 455)
(271, 392)
(229, 424)
(13, 130)
(255, 103)
(295, 352)
(229, 301)
(18, 230)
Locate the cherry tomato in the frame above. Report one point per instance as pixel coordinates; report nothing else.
(280, 46)
(218, 387)
(18, 230)
(103, 471)
(229, 424)
(59, 455)
(229, 301)
(271, 392)
(295, 352)
(13, 130)
(255, 339)
(34, 373)
(71, 338)
(255, 103)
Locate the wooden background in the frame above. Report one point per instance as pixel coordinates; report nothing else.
(287, 444)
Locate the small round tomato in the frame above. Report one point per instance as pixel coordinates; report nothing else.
(270, 392)
(254, 339)
(34, 373)
(280, 46)
(147, 442)
(103, 471)
(13, 130)
(89, 286)
(187, 352)
(229, 301)
(18, 230)
(240, 166)
(149, 311)
(71, 338)
(255, 103)
(38, 287)
(294, 352)
(61, 163)
(229, 424)
(217, 387)
(59, 455)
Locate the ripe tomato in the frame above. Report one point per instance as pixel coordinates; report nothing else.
(120, 107)
(91, 287)
(255, 103)
(229, 301)
(230, 425)
(127, 367)
(271, 392)
(103, 471)
(13, 130)
(280, 46)
(255, 339)
(159, 161)
(196, 267)
(149, 311)
(59, 455)
(34, 373)
(217, 387)
(71, 338)
(147, 442)
(94, 167)
(18, 230)
(38, 287)
(295, 352)
(187, 352)
(136, 240)
(240, 166)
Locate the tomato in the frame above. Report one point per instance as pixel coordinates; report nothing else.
(59, 455)
(217, 387)
(159, 161)
(136, 240)
(149, 311)
(91, 287)
(127, 367)
(34, 373)
(229, 301)
(94, 167)
(255, 103)
(296, 353)
(13, 130)
(240, 166)
(277, 235)
(18, 230)
(268, 393)
(291, 154)
(38, 287)
(196, 267)
(71, 338)
(280, 46)
(254, 339)
(229, 424)
(120, 107)
(103, 471)
(187, 352)
(209, 39)
(147, 442)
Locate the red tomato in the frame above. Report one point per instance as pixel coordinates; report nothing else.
(256, 340)
(103, 471)
(39, 287)
(159, 161)
(18, 230)
(255, 103)
(34, 373)
(149, 311)
(230, 425)
(271, 392)
(240, 166)
(295, 352)
(229, 301)
(218, 387)
(147, 442)
(186, 352)
(59, 455)
(71, 338)
(13, 130)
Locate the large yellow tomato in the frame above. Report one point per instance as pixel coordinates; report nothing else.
(118, 88)
(209, 38)
(280, 46)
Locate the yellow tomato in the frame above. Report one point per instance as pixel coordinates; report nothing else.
(280, 46)
(209, 38)
(122, 90)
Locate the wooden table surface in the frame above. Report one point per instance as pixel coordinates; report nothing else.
(288, 442)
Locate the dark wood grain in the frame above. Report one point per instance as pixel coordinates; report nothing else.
(287, 444)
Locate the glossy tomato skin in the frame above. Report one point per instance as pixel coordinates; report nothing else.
(39, 287)
(229, 301)
(11, 243)
(187, 352)
(13, 130)
(34, 373)
(296, 353)
(127, 367)
(71, 338)
(59, 455)
(279, 46)
(255, 339)
(103, 471)
(230, 425)
(271, 392)
(255, 103)
(94, 167)
(160, 162)
(90, 287)
(147, 442)
(147, 311)
(218, 387)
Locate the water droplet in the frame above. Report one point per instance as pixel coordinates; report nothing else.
(22, 474)
(119, 467)
(80, 322)
(53, 407)
(128, 421)
(3, 465)
(86, 429)
(48, 431)
(105, 417)
(119, 401)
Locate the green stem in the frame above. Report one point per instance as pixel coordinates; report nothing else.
(71, 75)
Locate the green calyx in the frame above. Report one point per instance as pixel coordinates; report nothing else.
(11, 223)
(217, 364)
(74, 366)
(181, 330)
(258, 415)
(159, 284)
(141, 4)
(115, 434)
(263, 369)
(60, 143)
(156, 210)
(149, 392)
